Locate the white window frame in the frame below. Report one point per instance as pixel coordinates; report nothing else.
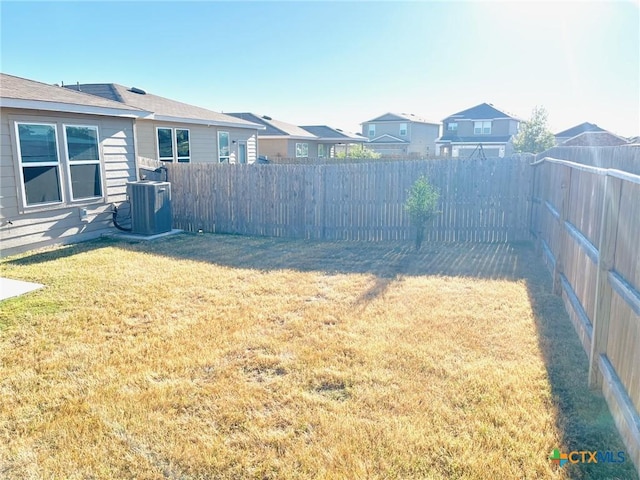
(479, 127)
(70, 162)
(405, 129)
(175, 156)
(372, 130)
(224, 158)
(453, 127)
(23, 165)
(173, 144)
(304, 147)
(182, 159)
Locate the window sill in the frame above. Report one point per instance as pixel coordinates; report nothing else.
(62, 206)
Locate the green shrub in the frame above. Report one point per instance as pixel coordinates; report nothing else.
(422, 204)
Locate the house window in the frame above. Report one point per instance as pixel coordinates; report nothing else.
(182, 142)
(372, 130)
(40, 166)
(482, 128)
(83, 161)
(167, 138)
(302, 149)
(322, 150)
(224, 151)
(403, 129)
(452, 127)
(43, 173)
(165, 145)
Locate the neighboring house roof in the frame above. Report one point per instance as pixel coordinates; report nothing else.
(595, 139)
(476, 139)
(275, 128)
(386, 138)
(163, 109)
(578, 129)
(324, 132)
(17, 92)
(484, 111)
(399, 117)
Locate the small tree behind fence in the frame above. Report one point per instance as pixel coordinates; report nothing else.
(480, 200)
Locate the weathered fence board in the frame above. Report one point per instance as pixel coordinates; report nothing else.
(587, 222)
(622, 157)
(481, 200)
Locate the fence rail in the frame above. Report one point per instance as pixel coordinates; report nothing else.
(622, 157)
(587, 221)
(481, 200)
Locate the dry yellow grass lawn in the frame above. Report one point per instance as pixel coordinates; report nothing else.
(226, 357)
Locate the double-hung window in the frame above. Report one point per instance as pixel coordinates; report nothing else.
(83, 161)
(452, 127)
(482, 128)
(302, 149)
(39, 163)
(224, 150)
(322, 150)
(48, 171)
(173, 145)
(372, 130)
(403, 129)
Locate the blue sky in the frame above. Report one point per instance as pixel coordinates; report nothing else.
(342, 63)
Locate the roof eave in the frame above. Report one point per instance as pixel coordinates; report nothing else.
(473, 143)
(288, 137)
(341, 140)
(72, 108)
(204, 121)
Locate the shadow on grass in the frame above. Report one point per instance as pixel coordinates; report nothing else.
(583, 416)
(584, 420)
(385, 260)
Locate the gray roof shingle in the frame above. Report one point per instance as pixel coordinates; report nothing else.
(324, 132)
(399, 117)
(160, 106)
(17, 88)
(595, 139)
(578, 129)
(484, 111)
(275, 128)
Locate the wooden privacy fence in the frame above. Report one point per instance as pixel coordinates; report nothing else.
(622, 157)
(481, 200)
(587, 221)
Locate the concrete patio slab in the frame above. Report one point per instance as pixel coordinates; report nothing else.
(14, 288)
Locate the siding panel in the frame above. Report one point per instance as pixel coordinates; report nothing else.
(62, 224)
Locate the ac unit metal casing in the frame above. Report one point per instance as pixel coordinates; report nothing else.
(150, 207)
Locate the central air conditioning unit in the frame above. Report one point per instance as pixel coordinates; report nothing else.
(150, 207)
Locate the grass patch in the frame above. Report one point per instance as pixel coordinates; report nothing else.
(226, 357)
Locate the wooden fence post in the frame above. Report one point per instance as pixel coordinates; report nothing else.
(606, 249)
(565, 185)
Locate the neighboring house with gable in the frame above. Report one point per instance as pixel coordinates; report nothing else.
(333, 140)
(179, 132)
(65, 158)
(588, 135)
(281, 139)
(482, 126)
(401, 134)
(595, 139)
(576, 130)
